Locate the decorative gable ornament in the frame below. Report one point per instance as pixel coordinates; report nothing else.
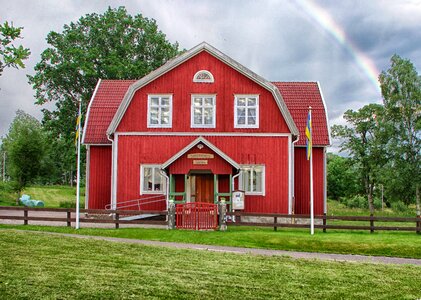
(203, 76)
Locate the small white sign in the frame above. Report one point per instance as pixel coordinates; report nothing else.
(238, 200)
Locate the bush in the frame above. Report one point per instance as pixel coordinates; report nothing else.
(356, 201)
(377, 202)
(70, 204)
(399, 206)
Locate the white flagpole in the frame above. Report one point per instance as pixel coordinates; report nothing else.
(311, 194)
(311, 179)
(78, 169)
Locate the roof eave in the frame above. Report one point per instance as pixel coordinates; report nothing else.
(194, 143)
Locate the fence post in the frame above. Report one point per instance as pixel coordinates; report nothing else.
(275, 220)
(171, 214)
(117, 217)
(222, 215)
(25, 216)
(371, 223)
(324, 222)
(69, 222)
(418, 224)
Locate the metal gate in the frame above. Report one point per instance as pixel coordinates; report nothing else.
(197, 216)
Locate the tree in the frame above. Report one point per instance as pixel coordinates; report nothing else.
(113, 45)
(25, 145)
(342, 177)
(10, 55)
(365, 140)
(401, 90)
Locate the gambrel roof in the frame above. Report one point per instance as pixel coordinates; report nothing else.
(112, 97)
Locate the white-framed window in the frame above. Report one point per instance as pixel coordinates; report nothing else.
(246, 111)
(252, 179)
(159, 111)
(203, 108)
(151, 180)
(203, 76)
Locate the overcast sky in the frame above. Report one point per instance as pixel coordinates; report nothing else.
(342, 44)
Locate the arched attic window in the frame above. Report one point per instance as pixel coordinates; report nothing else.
(203, 76)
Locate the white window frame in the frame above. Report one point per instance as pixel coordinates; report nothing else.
(246, 125)
(197, 79)
(249, 168)
(213, 125)
(142, 178)
(159, 96)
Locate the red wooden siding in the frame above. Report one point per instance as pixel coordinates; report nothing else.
(269, 151)
(302, 181)
(179, 83)
(99, 177)
(216, 165)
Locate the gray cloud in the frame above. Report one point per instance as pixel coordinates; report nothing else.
(276, 39)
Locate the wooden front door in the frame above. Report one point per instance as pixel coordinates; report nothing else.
(204, 188)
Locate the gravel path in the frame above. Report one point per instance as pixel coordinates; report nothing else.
(253, 251)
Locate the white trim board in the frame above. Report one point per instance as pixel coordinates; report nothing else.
(193, 133)
(89, 110)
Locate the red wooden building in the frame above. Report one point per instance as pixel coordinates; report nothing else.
(199, 127)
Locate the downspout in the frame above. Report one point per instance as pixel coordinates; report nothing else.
(232, 185)
(292, 205)
(113, 206)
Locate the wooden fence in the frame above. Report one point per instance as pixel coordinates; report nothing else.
(303, 221)
(68, 215)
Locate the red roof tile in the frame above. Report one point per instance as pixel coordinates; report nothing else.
(102, 109)
(298, 96)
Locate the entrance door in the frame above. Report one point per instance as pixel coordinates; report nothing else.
(204, 188)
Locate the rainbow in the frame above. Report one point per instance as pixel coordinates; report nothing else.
(322, 18)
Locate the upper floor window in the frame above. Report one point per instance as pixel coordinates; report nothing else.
(159, 111)
(252, 179)
(151, 180)
(246, 111)
(203, 111)
(203, 76)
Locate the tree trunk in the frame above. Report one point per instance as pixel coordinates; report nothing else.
(18, 198)
(417, 199)
(370, 200)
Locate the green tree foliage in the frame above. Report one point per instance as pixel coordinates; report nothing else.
(342, 177)
(25, 145)
(10, 55)
(365, 141)
(401, 90)
(112, 45)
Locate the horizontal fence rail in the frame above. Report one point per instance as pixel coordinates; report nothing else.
(68, 215)
(104, 216)
(303, 221)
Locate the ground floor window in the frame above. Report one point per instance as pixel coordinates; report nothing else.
(151, 180)
(252, 179)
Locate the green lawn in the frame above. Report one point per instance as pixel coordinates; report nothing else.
(51, 195)
(35, 266)
(399, 244)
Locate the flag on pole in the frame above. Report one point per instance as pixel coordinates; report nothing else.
(77, 128)
(309, 141)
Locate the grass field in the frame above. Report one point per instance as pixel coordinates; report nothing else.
(34, 266)
(399, 244)
(51, 195)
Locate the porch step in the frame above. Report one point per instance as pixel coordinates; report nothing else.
(138, 217)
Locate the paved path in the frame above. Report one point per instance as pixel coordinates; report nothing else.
(253, 251)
